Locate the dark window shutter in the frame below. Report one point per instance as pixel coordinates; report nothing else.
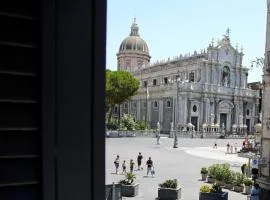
(20, 162)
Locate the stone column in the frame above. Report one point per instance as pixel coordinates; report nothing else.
(188, 111)
(184, 111)
(236, 112)
(206, 109)
(149, 109)
(174, 112)
(161, 112)
(201, 112)
(217, 111)
(138, 109)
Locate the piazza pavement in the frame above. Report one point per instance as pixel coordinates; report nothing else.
(183, 163)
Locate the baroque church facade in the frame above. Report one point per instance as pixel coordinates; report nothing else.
(206, 91)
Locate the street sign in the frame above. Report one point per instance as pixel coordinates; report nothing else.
(255, 163)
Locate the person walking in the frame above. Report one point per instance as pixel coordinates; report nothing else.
(235, 147)
(231, 148)
(139, 160)
(116, 163)
(132, 163)
(124, 167)
(149, 164)
(215, 145)
(255, 192)
(228, 147)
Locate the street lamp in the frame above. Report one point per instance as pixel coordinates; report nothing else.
(178, 81)
(175, 143)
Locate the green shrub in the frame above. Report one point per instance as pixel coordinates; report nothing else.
(112, 125)
(204, 170)
(141, 125)
(248, 182)
(216, 188)
(128, 122)
(205, 188)
(228, 176)
(239, 179)
(170, 183)
(129, 180)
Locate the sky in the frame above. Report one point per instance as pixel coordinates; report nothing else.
(175, 27)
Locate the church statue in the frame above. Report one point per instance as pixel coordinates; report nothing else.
(226, 81)
(212, 118)
(240, 120)
(223, 128)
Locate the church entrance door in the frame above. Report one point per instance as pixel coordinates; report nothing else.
(194, 121)
(248, 125)
(223, 119)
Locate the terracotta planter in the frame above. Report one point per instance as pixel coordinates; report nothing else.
(211, 180)
(204, 176)
(130, 190)
(213, 196)
(169, 193)
(247, 189)
(228, 186)
(237, 188)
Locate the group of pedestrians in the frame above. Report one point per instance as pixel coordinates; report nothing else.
(230, 148)
(149, 164)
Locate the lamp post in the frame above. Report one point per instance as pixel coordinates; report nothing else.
(178, 81)
(175, 143)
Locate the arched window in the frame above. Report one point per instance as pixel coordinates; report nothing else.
(194, 108)
(168, 103)
(155, 105)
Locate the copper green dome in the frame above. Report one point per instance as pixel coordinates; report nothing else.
(134, 42)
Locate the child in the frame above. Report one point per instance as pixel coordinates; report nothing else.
(132, 163)
(124, 167)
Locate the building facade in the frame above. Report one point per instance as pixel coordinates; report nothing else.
(264, 176)
(206, 90)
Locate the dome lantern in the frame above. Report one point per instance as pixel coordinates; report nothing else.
(134, 29)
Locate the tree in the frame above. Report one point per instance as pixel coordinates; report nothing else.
(258, 62)
(120, 86)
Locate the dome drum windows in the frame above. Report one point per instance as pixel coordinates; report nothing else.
(168, 104)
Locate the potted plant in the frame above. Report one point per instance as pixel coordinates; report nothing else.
(204, 173)
(213, 192)
(211, 174)
(238, 183)
(248, 183)
(169, 189)
(228, 179)
(129, 187)
(219, 175)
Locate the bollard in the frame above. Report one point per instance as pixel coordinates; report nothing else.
(113, 191)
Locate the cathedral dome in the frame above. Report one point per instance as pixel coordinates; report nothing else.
(134, 42)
